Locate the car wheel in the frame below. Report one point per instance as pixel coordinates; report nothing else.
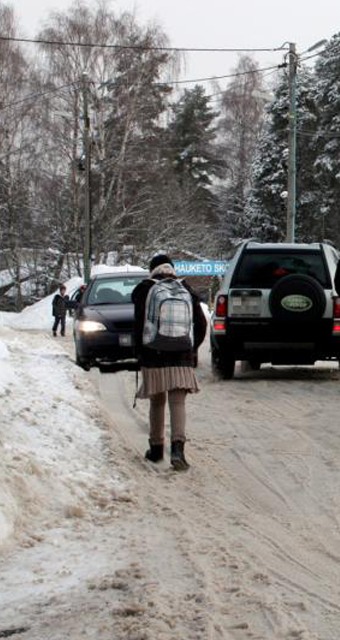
(222, 364)
(297, 298)
(84, 363)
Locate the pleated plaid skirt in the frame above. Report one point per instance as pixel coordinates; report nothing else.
(156, 380)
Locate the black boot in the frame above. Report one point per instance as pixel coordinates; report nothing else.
(177, 459)
(155, 453)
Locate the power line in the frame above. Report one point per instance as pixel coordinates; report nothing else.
(314, 55)
(170, 82)
(318, 133)
(37, 95)
(223, 91)
(138, 46)
(229, 75)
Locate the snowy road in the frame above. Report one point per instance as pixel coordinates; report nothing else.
(257, 519)
(246, 544)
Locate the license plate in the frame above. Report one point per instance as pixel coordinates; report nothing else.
(246, 306)
(125, 340)
(245, 303)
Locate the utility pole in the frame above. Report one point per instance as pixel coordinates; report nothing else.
(87, 195)
(291, 199)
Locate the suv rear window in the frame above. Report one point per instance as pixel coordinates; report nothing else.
(263, 269)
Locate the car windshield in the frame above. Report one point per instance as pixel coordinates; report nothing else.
(263, 269)
(117, 290)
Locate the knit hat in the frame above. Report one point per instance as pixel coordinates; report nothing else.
(158, 259)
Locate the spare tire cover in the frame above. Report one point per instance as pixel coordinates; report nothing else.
(297, 298)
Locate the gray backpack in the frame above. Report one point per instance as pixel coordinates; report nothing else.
(168, 323)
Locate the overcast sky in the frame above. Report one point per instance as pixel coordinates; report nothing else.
(216, 24)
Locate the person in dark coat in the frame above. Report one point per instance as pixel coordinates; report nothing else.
(166, 374)
(79, 294)
(76, 299)
(59, 309)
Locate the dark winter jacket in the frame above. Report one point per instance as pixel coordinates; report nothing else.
(60, 305)
(152, 358)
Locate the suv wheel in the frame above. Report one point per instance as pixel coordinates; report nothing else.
(222, 364)
(298, 298)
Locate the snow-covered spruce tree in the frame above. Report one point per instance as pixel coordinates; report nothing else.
(133, 139)
(307, 227)
(327, 138)
(192, 134)
(266, 209)
(195, 160)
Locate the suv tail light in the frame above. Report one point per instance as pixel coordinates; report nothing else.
(336, 316)
(221, 306)
(219, 324)
(336, 308)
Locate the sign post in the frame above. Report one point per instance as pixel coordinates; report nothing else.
(200, 268)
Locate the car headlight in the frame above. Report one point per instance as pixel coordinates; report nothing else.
(90, 326)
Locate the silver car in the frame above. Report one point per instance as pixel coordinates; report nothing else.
(278, 305)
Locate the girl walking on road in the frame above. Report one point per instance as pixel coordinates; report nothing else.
(166, 374)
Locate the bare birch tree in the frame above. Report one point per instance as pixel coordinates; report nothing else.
(17, 152)
(242, 112)
(124, 108)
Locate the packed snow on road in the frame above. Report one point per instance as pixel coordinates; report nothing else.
(98, 543)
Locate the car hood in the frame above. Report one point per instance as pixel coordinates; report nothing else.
(108, 313)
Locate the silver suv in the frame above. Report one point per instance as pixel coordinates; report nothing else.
(278, 305)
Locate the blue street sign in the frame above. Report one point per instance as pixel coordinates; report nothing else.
(204, 268)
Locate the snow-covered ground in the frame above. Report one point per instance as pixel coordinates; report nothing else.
(96, 543)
